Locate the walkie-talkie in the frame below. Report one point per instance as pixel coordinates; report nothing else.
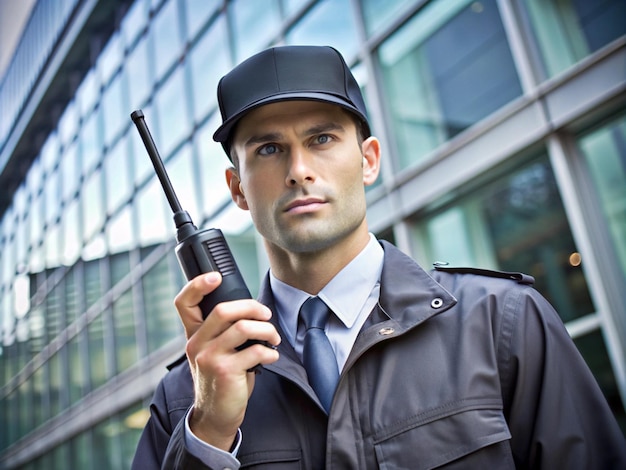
(198, 251)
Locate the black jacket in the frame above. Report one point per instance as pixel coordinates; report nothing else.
(451, 370)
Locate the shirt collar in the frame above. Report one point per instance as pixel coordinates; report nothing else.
(345, 294)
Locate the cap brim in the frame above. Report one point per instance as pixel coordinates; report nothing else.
(223, 132)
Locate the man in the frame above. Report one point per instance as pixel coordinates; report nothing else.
(450, 369)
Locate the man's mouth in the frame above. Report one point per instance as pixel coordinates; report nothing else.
(300, 206)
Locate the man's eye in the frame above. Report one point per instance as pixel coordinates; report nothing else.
(268, 149)
(323, 139)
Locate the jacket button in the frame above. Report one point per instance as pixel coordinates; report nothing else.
(436, 303)
(386, 331)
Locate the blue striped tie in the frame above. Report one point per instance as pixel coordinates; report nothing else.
(318, 355)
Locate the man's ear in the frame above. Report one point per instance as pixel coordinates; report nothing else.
(236, 191)
(371, 160)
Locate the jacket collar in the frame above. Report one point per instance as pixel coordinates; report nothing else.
(408, 297)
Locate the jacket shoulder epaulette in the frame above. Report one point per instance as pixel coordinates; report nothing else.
(520, 278)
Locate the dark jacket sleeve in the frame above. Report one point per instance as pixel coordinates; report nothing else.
(557, 414)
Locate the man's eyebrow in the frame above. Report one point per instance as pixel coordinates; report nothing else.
(262, 138)
(324, 127)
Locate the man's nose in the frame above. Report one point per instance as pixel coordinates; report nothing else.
(300, 169)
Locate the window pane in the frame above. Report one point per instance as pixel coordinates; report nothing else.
(125, 344)
(70, 171)
(209, 62)
(88, 92)
(329, 23)
(112, 111)
(376, 17)
(173, 115)
(56, 384)
(165, 37)
(110, 58)
(68, 124)
(93, 284)
(120, 232)
(97, 364)
(78, 381)
(153, 226)
(138, 75)
(91, 144)
(605, 155)
(134, 21)
(213, 163)
(516, 223)
(251, 20)
(445, 70)
(197, 12)
(182, 172)
(117, 176)
(569, 30)
(593, 349)
(159, 291)
(92, 202)
(52, 193)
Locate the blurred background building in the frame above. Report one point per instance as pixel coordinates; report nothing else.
(504, 129)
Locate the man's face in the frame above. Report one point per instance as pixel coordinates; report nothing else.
(302, 173)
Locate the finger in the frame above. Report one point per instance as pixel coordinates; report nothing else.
(244, 331)
(222, 319)
(187, 300)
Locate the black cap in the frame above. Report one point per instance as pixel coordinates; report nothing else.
(317, 73)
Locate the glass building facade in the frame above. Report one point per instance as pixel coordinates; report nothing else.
(504, 133)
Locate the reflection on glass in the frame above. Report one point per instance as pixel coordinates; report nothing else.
(446, 69)
(110, 58)
(376, 17)
(68, 123)
(78, 381)
(112, 111)
(213, 162)
(92, 202)
(182, 172)
(120, 232)
(90, 142)
(97, 365)
(173, 115)
(516, 223)
(165, 38)
(138, 76)
(250, 21)
(569, 30)
(52, 246)
(154, 227)
(605, 154)
(329, 23)
(70, 171)
(56, 384)
(594, 351)
(88, 93)
(291, 6)
(71, 234)
(197, 12)
(209, 61)
(117, 176)
(125, 344)
(51, 196)
(158, 291)
(134, 21)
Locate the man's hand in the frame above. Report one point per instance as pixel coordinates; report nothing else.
(221, 376)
